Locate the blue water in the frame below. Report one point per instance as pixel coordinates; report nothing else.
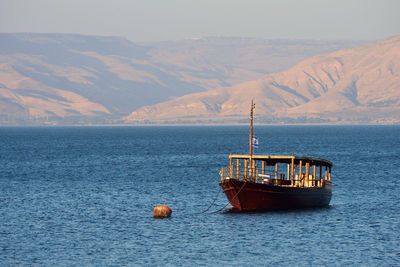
(84, 197)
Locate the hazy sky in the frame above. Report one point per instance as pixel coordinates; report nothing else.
(157, 20)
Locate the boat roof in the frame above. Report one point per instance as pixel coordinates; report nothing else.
(272, 159)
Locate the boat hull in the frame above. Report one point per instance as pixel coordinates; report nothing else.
(250, 196)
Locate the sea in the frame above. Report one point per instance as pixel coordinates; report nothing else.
(84, 196)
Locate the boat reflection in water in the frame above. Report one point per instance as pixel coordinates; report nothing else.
(257, 183)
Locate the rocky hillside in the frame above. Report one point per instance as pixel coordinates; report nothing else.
(360, 84)
(77, 79)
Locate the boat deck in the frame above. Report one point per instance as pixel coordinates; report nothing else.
(285, 171)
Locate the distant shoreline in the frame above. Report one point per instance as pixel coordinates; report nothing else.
(201, 125)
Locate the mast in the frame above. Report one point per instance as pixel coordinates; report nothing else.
(251, 130)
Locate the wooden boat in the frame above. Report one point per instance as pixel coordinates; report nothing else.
(256, 183)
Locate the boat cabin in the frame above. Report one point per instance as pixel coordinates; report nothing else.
(290, 171)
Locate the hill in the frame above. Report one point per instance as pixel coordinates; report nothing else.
(79, 79)
(354, 85)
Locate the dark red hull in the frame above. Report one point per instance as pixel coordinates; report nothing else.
(249, 196)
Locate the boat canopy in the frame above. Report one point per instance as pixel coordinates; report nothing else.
(272, 159)
(248, 168)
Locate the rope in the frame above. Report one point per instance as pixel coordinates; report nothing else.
(232, 199)
(212, 203)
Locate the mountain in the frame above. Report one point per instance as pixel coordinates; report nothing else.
(354, 85)
(80, 79)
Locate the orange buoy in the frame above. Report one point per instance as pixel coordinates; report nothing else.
(161, 212)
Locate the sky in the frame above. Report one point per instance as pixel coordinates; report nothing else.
(163, 20)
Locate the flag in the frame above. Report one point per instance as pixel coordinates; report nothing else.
(255, 141)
